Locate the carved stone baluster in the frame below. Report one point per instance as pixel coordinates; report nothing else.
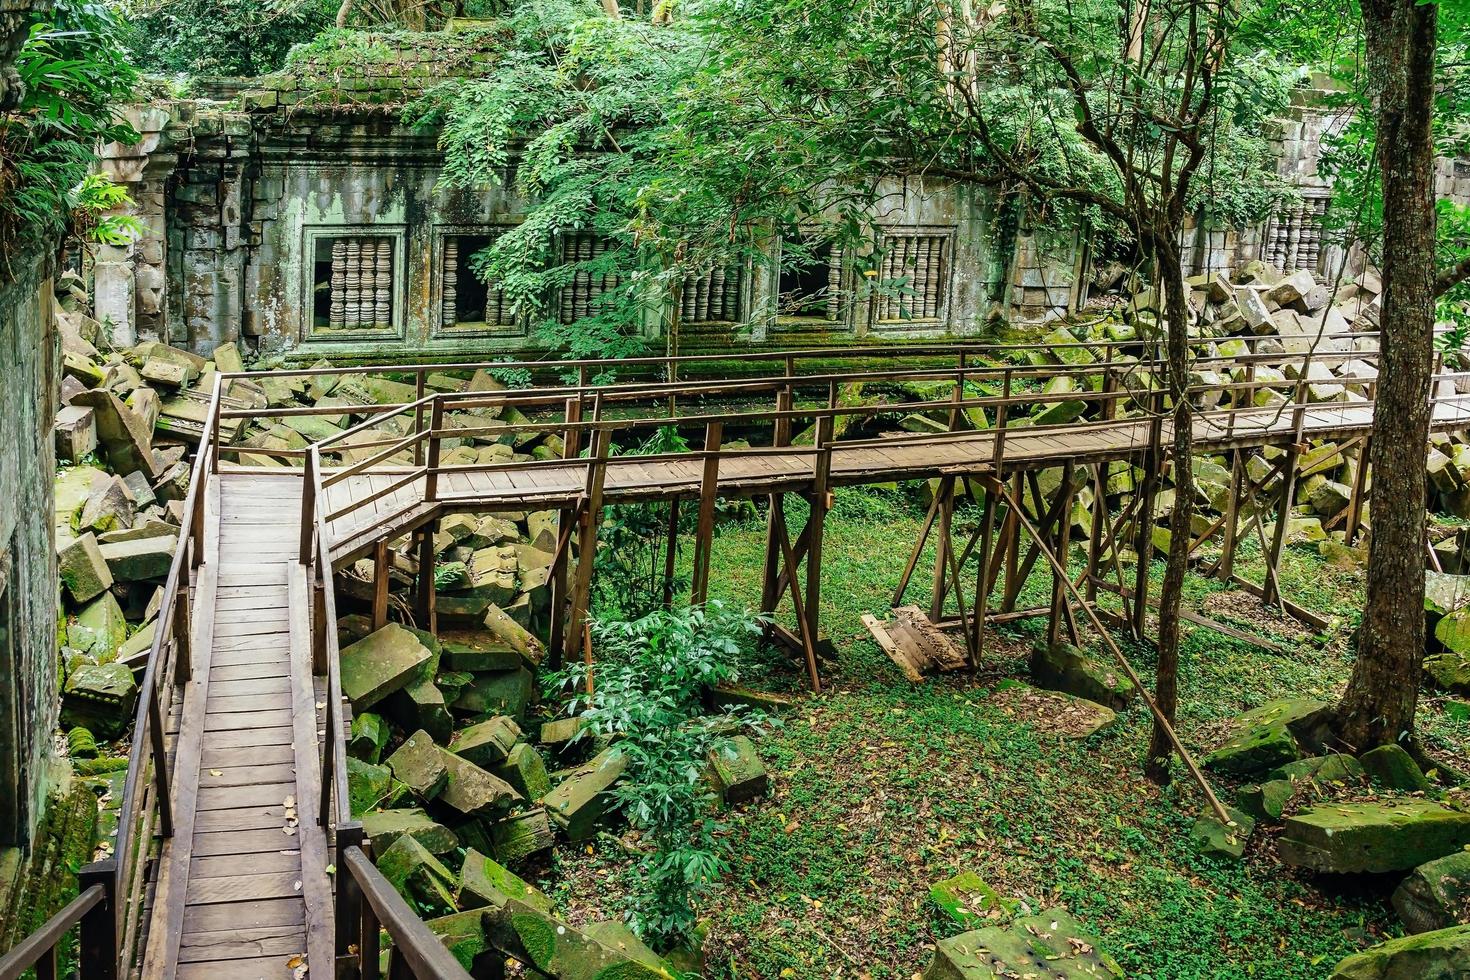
(383, 293)
(338, 285)
(352, 311)
(449, 283)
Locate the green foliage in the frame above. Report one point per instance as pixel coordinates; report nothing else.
(628, 577)
(221, 37)
(90, 201)
(74, 73)
(652, 674)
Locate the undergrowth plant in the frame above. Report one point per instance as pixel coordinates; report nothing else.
(630, 561)
(651, 678)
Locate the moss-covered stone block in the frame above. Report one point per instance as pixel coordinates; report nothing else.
(1214, 838)
(420, 764)
(1063, 667)
(969, 901)
(384, 827)
(473, 791)
(369, 737)
(1435, 895)
(463, 934)
(736, 771)
(367, 785)
(1449, 671)
(487, 743)
(420, 877)
(483, 882)
(518, 837)
(525, 770)
(1265, 802)
(548, 944)
(581, 799)
(1395, 835)
(1440, 955)
(1391, 767)
(505, 692)
(381, 663)
(1266, 737)
(1052, 945)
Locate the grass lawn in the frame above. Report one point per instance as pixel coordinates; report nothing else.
(881, 787)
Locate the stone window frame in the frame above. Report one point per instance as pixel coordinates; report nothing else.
(557, 298)
(845, 306)
(437, 330)
(397, 232)
(946, 275)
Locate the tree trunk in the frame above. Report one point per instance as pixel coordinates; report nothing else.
(1170, 275)
(1378, 706)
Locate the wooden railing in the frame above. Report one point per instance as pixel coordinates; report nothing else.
(93, 913)
(417, 952)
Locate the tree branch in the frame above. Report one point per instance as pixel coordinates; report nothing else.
(1450, 278)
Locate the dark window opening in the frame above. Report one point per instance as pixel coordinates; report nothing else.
(811, 283)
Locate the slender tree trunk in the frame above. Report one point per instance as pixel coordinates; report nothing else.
(1166, 688)
(1378, 706)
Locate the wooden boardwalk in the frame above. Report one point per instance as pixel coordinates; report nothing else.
(748, 473)
(241, 887)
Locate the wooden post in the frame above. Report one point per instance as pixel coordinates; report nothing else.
(571, 446)
(1360, 490)
(671, 548)
(820, 504)
(98, 940)
(381, 576)
(944, 498)
(308, 505)
(183, 637)
(431, 476)
(418, 416)
(1064, 541)
(1143, 541)
(1283, 500)
(348, 904)
(424, 593)
(1232, 517)
(587, 543)
(775, 510)
(704, 533)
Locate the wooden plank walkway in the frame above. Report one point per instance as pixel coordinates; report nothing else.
(241, 888)
(557, 484)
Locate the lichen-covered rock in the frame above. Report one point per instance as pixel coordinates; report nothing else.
(1443, 593)
(504, 627)
(487, 743)
(1052, 945)
(1390, 766)
(381, 663)
(737, 772)
(1214, 838)
(384, 827)
(1267, 737)
(617, 937)
(84, 571)
(483, 882)
(1063, 667)
(1450, 671)
(1265, 801)
(969, 901)
(471, 790)
(369, 737)
(420, 877)
(542, 941)
(518, 837)
(420, 765)
(525, 770)
(580, 800)
(463, 934)
(99, 628)
(1440, 955)
(505, 692)
(1349, 838)
(100, 698)
(367, 785)
(1435, 895)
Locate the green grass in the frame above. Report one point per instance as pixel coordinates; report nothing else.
(880, 787)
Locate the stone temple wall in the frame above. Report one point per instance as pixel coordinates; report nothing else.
(28, 576)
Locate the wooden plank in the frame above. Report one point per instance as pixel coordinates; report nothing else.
(271, 817)
(225, 702)
(236, 687)
(243, 720)
(261, 649)
(255, 968)
(229, 865)
(234, 797)
(247, 737)
(237, 944)
(216, 777)
(317, 891)
(244, 888)
(237, 842)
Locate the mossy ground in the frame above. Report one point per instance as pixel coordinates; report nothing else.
(880, 788)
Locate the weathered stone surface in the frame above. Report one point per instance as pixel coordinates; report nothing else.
(1213, 838)
(506, 692)
(100, 698)
(99, 628)
(1052, 945)
(738, 774)
(487, 743)
(127, 444)
(381, 663)
(1265, 801)
(516, 636)
(1267, 737)
(1373, 837)
(525, 770)
(1391, 766)
(473, 791)
(579, 801)
(367, 785)
(477, 650)
(110, 506)
(1443, 594)
(420, 765)
(384, 827)
(518, 837)
(1450, 671)
(1440, 955)
(559, 733)
(463, 934)
(1065, 668)
(368, 738)
(83, 570)
(969, 901)
(617, 937)
(76, 433)
(137, 559)
(483, 882)
(419, 704)
(1435, 895)
(540, 940)
(421, 878)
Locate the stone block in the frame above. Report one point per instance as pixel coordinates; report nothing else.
(486, 883)
(384, 827)
(420, 877)
(110, 506)
(473, 791)
(486, 743)
(517, 637)
(581, 799)
(1052, 944)
(125, 440)
(738, 775)
(1267, 737)
(1435, 895)
(1065, 668)
(420, 765)
(99, 628)
(84, 571)
(518, 837)
(1391, 767)
(525, 771)
(76, 433)
(381, 663)
(368, 738)
(139, 559)
(367, 785)
(1214, 838)
(1392, 835)
(556, 949)
(506, 692)
(99, 698)
(169, 373)
(1440, 955)
(969, 901)
(463, 933)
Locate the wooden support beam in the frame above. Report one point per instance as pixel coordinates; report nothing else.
(820, 503)
(781, 436)
(382, 573)
(1059, 608)
(671, 552)
(571, 446)
(591, 518)
(424, 593)
(1144, 540)
(704, 533)
(943, 546)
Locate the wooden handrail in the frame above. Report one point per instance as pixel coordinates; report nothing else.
(424, 956)
(94, 911)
